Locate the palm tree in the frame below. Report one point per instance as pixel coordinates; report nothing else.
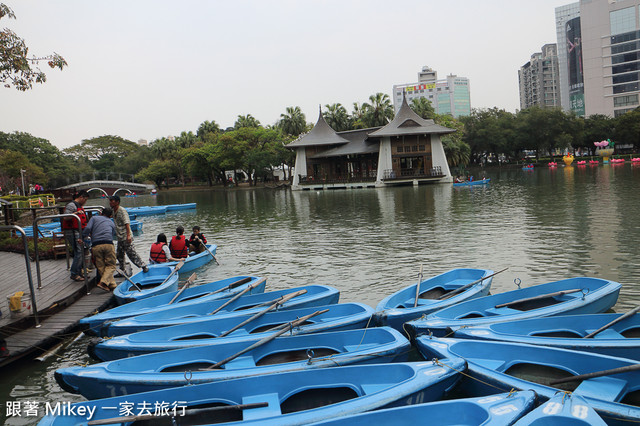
(423, 107)
(246, 121)
(357, 116)
(379, 112)
(207, 127)
(293, 122)
(336, 116)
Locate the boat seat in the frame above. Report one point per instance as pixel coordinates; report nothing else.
(607, 334)
(606, 388)
(240, 362)
(273, 409)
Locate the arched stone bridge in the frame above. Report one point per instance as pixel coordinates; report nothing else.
(107, 187)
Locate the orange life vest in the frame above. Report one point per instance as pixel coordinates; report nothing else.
(157, 254)
(179, 247)
(70, 223)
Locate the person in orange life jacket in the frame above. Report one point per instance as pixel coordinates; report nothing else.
(70, 228)
(160, 252)
(197, 240)
(178, 245)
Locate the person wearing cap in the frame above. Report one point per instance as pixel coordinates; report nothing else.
(101, 229)
(74, 239)
(124, 235)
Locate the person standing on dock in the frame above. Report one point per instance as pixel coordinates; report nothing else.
(101, 229)
(178, 246)
(70, 228)
(197, 240)
(124, 236)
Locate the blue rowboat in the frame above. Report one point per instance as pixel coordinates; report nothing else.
(473, 182)
(314, 295)
(496, 410)
(167, 369)
(215, 290)
(176, 207)
(146, 210)
(572, 296)
(562, 410)
(398, 308)
(150, 283)
(567, 332)
(343, 316)
(193, 262)
(499, 365)
(136, 226)
(294, 398)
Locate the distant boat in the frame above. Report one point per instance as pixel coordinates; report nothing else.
(527, 167)
(581, 163)
(594, 162)
(553, 164)
(472, 182)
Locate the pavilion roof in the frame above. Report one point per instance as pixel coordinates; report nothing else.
(321, 135)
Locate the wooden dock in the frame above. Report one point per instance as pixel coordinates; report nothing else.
(61, 303)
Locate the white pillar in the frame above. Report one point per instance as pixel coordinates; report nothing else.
(384, 159)
(438, 158)
(300, 167)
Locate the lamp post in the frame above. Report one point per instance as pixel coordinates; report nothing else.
(22, 172)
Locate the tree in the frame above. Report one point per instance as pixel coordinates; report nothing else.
(597, 127)
(16, 67)
(379, 112)
(357, 116)
(157, 171)
(547, 129)
(11, 164)
(627, 130)
(458, 152)
(293, 122)
(336, 117)
(489, 131)
(96, 148)
(246, 121)
(207, 127)
(423, 107)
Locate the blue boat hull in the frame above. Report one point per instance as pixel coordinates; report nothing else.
(193, 262)
(398, 308)
(595, 295)
(343, 316)
(294, 398)
(472, 183)
(146, 210)
(167, 369)
(497, 410)
(151, 283)
(176, 207)
(160, 302)
(562, 410)
(316, 295)
(567, 332)
(499, 365)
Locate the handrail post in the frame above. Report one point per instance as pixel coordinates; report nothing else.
(37, 254)
(26, 260)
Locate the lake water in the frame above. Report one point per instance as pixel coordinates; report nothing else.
(544, 225)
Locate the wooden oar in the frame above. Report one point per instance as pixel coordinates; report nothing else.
(418, 286)
(267, 339)
(234, 298)
(264, 311)
(542, 296)
(189, 412)
(615, 321)
(121, 272)
(595, 374)
(190, 281)
(211, 253)
(466, 286)
(236, 284)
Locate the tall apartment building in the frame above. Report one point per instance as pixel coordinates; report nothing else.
(539, 79)
(602, 53)
(447, 96)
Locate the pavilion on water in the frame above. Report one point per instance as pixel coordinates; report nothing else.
(408, 150)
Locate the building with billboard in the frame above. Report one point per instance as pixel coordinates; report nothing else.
(539, 79)
(447, 96)
(600, 60)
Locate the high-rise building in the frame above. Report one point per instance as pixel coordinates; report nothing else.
(602, 53)
(447, 96)
(539, 79)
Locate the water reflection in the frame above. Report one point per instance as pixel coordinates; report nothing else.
(544, 225)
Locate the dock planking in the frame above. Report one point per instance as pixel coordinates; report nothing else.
(61, 303)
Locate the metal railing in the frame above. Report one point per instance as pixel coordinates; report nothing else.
(26, 259)
(37, 253)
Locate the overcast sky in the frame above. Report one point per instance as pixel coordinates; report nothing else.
(144, 69)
